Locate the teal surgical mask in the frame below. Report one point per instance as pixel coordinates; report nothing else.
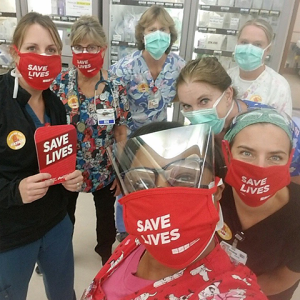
(156, 43)
(208, 116)
(249, 57)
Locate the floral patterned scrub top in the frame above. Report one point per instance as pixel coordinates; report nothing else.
(92, 139)
(142, 89)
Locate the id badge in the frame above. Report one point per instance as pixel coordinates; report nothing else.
(153, 100)
(106, 116)
(236, 256)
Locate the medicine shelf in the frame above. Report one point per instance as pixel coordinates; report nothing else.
(64, 18)
(217, 30)
(239, 10)
(4, 41)
(148, 3)
(8, 14)
(213, 52)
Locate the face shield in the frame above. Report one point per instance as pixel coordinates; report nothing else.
(177, 157)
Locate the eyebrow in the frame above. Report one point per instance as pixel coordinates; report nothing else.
(35, 44)
(252, 149)
(257, 41)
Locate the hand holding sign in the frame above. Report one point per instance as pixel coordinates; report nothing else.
(56, 150)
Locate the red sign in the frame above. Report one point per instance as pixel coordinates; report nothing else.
(56, 150)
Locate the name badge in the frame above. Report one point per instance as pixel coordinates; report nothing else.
(106, 116)
(236, 256)
(154, 98)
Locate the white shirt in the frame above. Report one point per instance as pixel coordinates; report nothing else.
(268, 88)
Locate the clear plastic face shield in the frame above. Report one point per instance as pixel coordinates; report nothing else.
(177, 157)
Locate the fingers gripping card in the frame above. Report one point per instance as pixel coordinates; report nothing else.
(56, 150)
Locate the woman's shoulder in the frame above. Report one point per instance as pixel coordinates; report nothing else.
(277, 78)
(176, 59)
(126, 62)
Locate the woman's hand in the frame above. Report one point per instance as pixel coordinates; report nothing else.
(34, 187)
(73, 181)
(116, 186)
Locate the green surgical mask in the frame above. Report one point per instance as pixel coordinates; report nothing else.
(249, 57)
(208, 116)
(156, 43)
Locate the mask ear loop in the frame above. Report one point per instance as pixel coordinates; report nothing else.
(15, 74)
(226, 152)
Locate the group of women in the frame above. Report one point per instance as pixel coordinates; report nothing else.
(172, 251)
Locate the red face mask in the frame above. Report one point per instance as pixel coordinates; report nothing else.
(38, 70)
(173, 235)
(89, 64)
(254, 184)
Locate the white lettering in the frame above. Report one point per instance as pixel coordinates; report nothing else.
(161, 222)
(56, 142)
(161, 238)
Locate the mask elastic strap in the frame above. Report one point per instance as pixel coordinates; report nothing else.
(213, 235)
(230, 109)
(226, 151)
(16, 85)
(218, 101)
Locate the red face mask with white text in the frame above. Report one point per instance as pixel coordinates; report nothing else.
(254, 184)
(174, 235)
(38, 70)
(89, 64)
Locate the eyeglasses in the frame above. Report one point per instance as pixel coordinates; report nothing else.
(184, 172)
(90, 49)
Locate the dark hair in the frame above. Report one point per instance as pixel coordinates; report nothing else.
(155, 126)
(132, 146)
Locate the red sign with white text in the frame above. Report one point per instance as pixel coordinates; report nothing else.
(56, 150)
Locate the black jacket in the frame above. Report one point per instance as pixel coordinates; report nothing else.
(20, 223)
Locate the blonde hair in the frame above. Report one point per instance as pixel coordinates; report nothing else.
(206, 69)
(36, 18)
(263, 25)
(88, 27)
(152, 14)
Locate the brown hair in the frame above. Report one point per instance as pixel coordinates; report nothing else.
(36, 18)
(88, 27)
(206, 69)
(152, 14)
(262, 24)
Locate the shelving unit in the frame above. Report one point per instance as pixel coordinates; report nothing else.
(123, 42)
(9, 14)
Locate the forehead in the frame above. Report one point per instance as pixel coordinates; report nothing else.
(195, 89)
(253, 32)
(37, 34)
(263, 136)
(158, 23)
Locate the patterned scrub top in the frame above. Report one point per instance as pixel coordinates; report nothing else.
(92, 139)
(141, 86)
(214, 277)
(268, 88)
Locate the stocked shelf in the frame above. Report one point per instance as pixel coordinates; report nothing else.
(217, 30)
(64, 18)
(4, 41)
(239, 10)
(213, 52)
(8, 14)
(148, 3)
